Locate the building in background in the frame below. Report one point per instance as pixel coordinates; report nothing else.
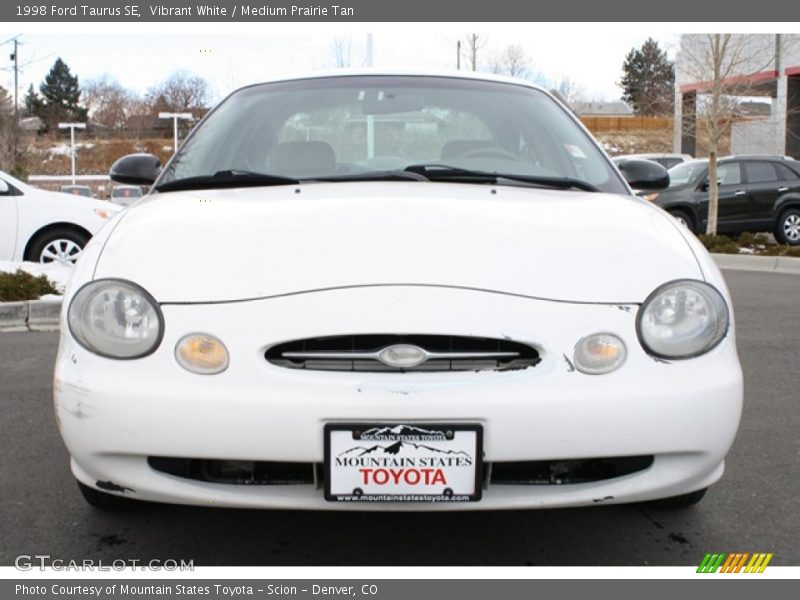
(759, 70)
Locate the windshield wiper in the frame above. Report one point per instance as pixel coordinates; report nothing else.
(226, 179)
(392, 175)
(438, 172)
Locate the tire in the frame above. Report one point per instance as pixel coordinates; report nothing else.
(787, 231)
(682, 501)
(104, 501)
(683, 218)
(61, 244)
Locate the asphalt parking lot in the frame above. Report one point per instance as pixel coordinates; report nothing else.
(752, 509)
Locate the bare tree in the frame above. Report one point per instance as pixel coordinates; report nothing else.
(569, 90)
(181, 91)
(139, 116)
(723, 64)
(107, 102)
(341, 48)
(7, 158)
(512, 61)
(475, 42)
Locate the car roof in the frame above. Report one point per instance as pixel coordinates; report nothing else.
(362, 72)
(646, 155)
(775, 157)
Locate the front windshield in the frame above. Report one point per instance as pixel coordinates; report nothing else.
(340, 126)
(687, 172)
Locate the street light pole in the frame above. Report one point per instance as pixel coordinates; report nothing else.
(175, 117)
(72, 127)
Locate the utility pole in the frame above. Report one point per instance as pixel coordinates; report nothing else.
(175, 117)
(15, 128)
(72, 127)
(458, 55)
(15, 58)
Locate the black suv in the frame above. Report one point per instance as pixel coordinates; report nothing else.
(756, 193)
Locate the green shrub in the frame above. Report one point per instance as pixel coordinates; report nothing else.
(781, 251)
(721, 244)
(761, 239)
(746, 239)
(18, 286)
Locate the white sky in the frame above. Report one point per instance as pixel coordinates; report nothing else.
(230, 56)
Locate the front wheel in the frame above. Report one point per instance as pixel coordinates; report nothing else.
(683, 218)
(788, 228)
(60, 245)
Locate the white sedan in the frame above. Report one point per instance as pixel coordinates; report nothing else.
(41, 226)
(395, 292)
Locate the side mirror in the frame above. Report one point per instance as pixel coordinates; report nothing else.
(644, 174)
(136, 169)
(4, 189)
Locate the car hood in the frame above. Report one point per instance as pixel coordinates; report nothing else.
(234, 244)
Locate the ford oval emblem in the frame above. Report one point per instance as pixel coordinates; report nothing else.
(402, 356)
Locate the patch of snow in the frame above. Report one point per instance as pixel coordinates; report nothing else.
(746, 251)
(51, 298)
(64, 149)
(57, 273)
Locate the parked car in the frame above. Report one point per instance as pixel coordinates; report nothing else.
(41, 226)
(125, 195)
(665, 160)
(758, 194)
(393, 292)
(77, 190)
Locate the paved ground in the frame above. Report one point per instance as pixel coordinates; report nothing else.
(754, 507)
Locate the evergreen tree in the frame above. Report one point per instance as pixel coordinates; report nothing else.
(31, 103)
(61, 95)
(648, 80)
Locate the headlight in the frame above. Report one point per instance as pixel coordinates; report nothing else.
(600, 353)
(202, 353)
(682, 319)
(115, 319)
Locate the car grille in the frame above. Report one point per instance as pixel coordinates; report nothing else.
(237, 472)
(443, 352)
(521, 473)
(560, 472)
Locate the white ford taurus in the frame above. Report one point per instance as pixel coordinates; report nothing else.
(383, 291)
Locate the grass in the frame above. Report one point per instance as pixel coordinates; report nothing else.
(757, 244)
(18, 286)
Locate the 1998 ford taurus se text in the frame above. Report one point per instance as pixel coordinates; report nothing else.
(395, 292)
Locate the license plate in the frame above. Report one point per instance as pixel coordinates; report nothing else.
(402, 462)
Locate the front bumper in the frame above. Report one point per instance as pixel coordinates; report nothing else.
(114, 414)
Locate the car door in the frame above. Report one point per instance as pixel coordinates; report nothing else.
(8, 220)
(763, 190)
(732, 197)
(789, 184)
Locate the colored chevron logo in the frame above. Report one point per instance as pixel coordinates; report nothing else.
(720, 562)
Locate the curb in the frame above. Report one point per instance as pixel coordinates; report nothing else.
(31, 315)
(771, 264)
